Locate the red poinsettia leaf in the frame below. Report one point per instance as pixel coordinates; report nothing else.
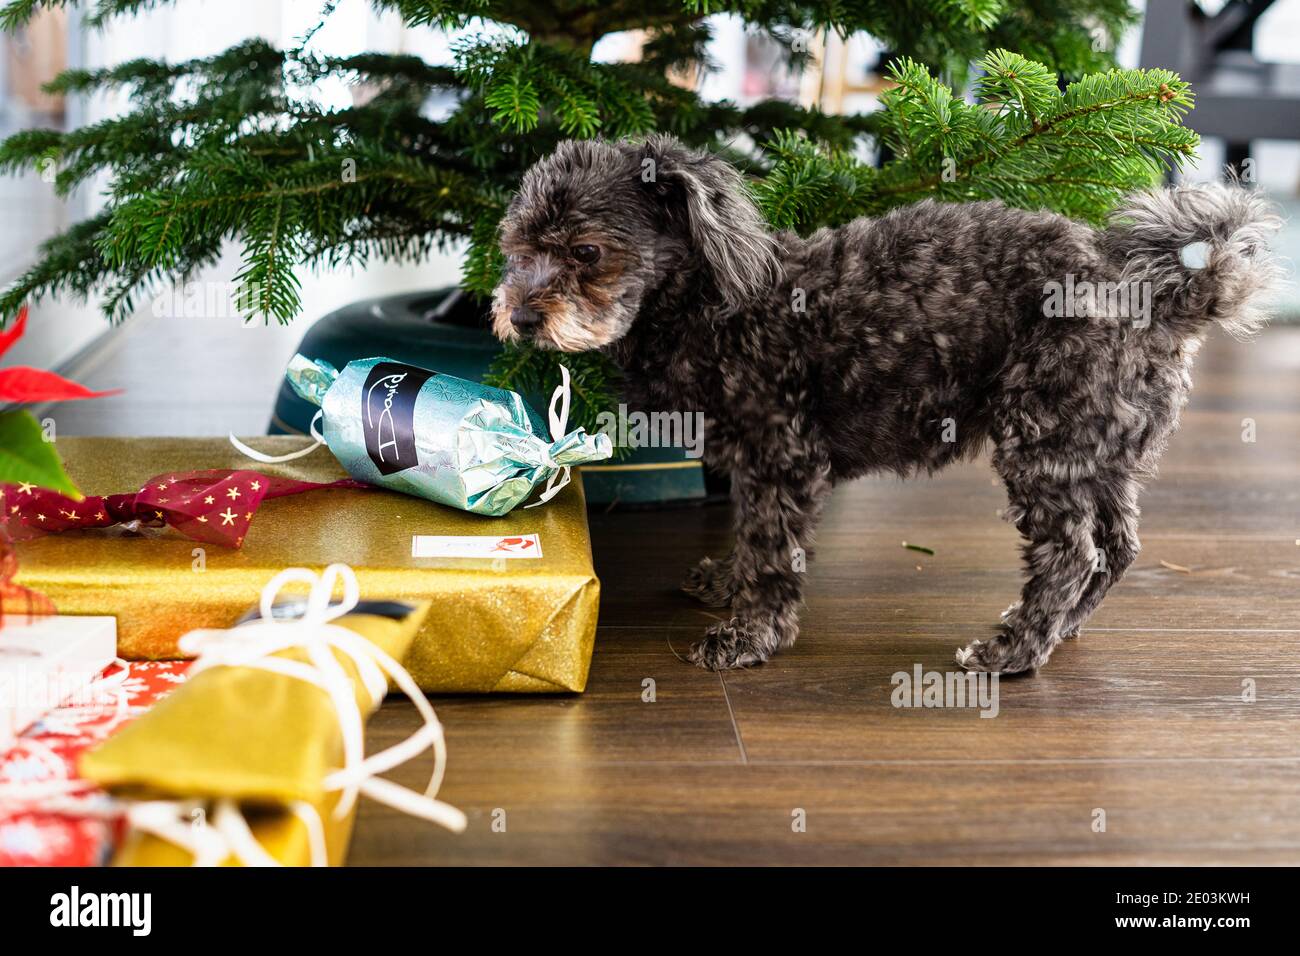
(22, 384)
(12, 334)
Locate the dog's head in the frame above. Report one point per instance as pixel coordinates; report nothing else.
(598, 226)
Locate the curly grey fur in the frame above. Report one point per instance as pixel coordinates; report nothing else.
(923, 335)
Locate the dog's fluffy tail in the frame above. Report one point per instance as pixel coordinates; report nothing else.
(1202, 250)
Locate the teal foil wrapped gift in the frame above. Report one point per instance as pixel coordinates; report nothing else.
(460, 443)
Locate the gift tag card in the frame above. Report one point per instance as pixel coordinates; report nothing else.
(476, 546)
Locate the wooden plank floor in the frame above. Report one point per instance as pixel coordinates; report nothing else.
(1143, 718)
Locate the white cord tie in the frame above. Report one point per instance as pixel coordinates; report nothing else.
(265, 459)
(559, 423)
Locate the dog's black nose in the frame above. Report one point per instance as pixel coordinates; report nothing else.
(525, 319)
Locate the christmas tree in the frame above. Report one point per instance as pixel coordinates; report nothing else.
(233, 147)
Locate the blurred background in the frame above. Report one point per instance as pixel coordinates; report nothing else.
(1247, 80)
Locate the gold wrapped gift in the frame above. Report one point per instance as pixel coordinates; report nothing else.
(259, 756)
(498, 622)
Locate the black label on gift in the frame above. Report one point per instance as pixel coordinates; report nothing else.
(388, 414)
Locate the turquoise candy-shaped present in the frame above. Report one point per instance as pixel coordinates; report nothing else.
(460, 443)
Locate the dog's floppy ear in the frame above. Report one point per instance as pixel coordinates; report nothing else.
(723, 225)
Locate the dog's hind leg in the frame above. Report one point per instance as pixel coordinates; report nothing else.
(1116, 543)
(1057, 519)
(777, 493)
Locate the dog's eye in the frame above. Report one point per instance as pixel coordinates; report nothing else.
(585, 254)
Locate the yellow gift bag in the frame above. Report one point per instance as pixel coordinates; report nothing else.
(258, 759)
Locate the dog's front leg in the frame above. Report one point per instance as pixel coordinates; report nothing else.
(777, 495)
(712, 582)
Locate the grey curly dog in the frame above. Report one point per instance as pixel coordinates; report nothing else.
(900, 343)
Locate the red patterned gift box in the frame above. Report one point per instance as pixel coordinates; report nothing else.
(47, 816)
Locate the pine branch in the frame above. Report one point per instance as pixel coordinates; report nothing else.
(232, 148)
(534, 373)
(1025, 142)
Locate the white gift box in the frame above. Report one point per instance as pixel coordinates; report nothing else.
(46, 662)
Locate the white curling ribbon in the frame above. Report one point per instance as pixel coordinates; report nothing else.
(266, 459)
(255, 645)
(559, 422)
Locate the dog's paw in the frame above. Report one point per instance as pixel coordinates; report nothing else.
(710, 582)
(1001, 655)
(1073, 634)
(730, 644)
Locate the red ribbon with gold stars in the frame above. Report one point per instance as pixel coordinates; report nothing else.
(213, 506)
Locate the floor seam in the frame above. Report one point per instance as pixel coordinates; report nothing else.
(1001, 761)
(740, 741)
(899, 762)
(840, 629)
